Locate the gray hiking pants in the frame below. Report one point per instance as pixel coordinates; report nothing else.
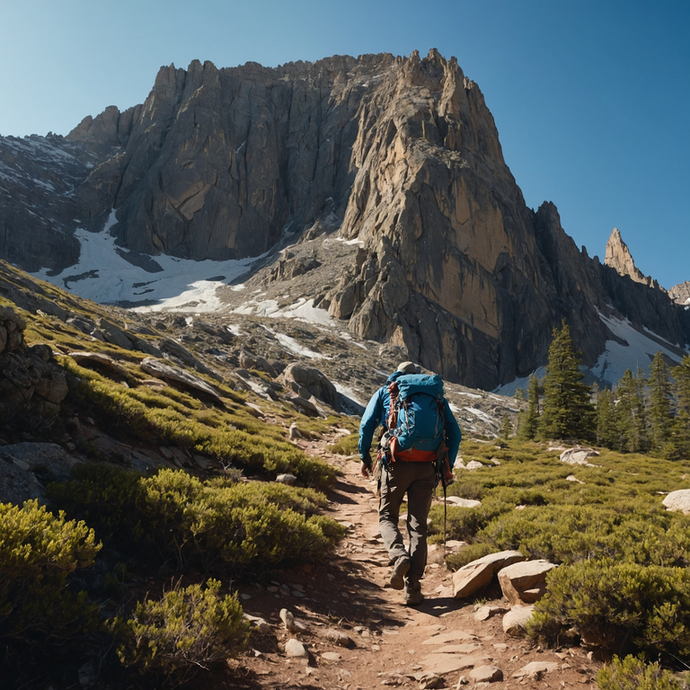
(418, 481)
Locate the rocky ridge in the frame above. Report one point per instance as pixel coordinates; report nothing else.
(312, 370)
(399, 156)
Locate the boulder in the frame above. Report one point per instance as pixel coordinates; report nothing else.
(579, 456)
(678, 501)
(294, 648)
(478, 574)
(299, 376)
(182, 378)
(304, 406)
(114, 334)
(100, 362)
(172, 347)
(515, 621)
(524, 582)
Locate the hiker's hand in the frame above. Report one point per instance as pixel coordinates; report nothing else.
(366, 464)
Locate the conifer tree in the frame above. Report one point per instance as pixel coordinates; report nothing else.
(607, 434)
(630, 415)
(567, 411)
(529, 419)
(660, 407)
(681, 426)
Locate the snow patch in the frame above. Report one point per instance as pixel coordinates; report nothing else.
(639, 351)
(508, 389)
(104, 276)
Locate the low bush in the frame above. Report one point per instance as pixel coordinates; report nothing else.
(38, 553)
(621, 607)
(188, 629)
(632, 673)
(183, 421)
(214, 523)
(349, 445)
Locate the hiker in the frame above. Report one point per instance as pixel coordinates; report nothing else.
(412, 471)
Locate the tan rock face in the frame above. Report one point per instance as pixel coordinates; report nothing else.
(618, 256)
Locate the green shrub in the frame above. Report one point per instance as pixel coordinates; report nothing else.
(106, 498)
(632, 673)
(173, 418)
(38, 553)
(622, 607)
(349, 445)
(213, 523)
(186, 630)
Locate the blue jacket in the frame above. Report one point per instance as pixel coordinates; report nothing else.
(376, 415)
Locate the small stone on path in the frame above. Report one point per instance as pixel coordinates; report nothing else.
(294, 648)
(486, 674)
(536, 669)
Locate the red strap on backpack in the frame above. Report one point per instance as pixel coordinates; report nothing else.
(392, 421)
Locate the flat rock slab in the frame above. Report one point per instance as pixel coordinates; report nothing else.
(463, 502)
(486, 674)
(464, 648)
(449, 663)
(678, 501)
(478, 574)
(524, 582)
(450, 636)
(536, 669)
(99, 361)
(194, 384)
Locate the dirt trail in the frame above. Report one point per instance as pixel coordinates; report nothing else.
(392, 645)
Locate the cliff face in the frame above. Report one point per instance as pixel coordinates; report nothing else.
(399, 155)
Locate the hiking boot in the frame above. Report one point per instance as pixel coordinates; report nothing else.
(402, 565)
(413, 594)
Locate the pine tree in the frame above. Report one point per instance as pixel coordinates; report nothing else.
(567, 411)
(681, 426)
(528, 423)
(630, 415)
(660, 407)
(506, 430)
(607, 434)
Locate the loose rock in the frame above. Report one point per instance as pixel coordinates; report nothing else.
(515, 621)
(478, 574)
(525, 582)
(486, 674)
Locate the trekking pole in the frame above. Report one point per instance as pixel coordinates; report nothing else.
(445, 517)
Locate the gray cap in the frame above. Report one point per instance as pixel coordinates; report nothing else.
(408, 368)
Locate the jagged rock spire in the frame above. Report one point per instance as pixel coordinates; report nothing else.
(618, 256)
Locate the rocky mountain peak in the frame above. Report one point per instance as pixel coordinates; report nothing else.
(618, 256)
(681, 293)
(396, 159)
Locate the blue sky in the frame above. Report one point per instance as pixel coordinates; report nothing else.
(591, 97)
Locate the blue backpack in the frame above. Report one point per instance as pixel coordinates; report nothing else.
(415, 420)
